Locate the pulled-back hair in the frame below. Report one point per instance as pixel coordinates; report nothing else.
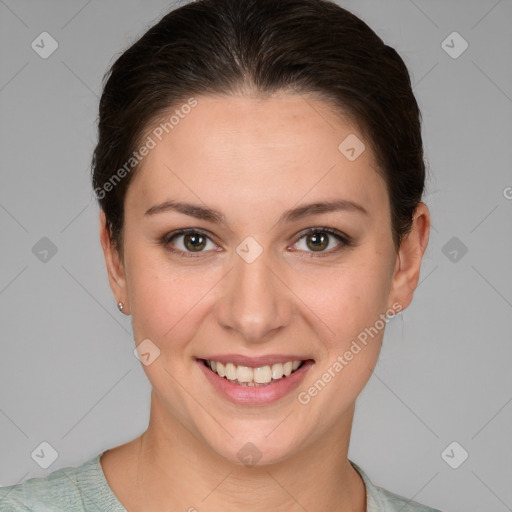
(212, 47)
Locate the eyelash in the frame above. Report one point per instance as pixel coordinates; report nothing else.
(345, 240)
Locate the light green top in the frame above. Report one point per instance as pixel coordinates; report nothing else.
(85, 489)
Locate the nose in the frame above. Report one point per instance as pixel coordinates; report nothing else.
(254, 301)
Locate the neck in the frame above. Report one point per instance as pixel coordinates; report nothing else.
(176, 468)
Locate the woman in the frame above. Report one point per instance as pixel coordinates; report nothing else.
(259, 171)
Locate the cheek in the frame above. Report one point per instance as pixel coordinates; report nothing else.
(339, 301)
(348, 298)
(353, 305)
(166, 302)
(160, 301)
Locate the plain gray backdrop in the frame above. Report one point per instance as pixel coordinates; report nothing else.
(68, 376)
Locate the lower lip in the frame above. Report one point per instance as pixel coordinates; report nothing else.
(255, 395)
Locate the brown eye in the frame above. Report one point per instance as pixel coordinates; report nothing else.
(322, 240)
(186, 242)
(317, 241)
(194, 242)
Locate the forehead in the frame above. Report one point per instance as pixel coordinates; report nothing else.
(245, 150)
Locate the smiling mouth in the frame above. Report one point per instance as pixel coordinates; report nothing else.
(247, 376)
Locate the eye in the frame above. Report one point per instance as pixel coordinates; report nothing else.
(320, 239)
(185, 242)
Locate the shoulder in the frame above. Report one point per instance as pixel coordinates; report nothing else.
(382, 500)
(79, 489)
(393, 502)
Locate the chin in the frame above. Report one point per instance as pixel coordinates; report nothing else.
(253, 449)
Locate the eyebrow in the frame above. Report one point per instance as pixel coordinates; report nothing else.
(211, 215)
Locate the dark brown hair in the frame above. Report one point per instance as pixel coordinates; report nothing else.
(216, 47)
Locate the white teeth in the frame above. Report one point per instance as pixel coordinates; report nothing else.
(230, 371)
(248, 376)
(244, 374)
(262, 375)
(221, 369)
(277, 371)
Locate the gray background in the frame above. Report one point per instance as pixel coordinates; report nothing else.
(67, 372)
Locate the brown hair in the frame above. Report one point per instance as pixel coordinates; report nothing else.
(229, 46)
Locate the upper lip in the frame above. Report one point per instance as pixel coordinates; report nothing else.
(254, 362)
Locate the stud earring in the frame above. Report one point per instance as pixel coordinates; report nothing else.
(120, 306)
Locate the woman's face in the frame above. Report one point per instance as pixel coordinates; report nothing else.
(249, 286)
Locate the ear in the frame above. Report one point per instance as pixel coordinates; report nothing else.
(408, 264)
(115, 266)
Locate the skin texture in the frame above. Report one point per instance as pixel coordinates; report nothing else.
(251, 159)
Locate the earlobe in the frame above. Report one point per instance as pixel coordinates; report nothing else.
(114, 265)
(410, 254)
